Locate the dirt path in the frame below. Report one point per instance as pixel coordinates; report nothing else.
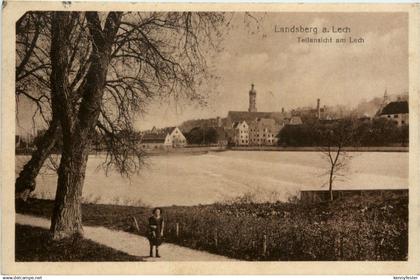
(129, 243)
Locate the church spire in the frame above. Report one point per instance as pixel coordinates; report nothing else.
(252, 99)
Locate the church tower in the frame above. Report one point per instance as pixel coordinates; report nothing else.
(252, 100)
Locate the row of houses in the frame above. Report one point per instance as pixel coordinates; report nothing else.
(241, 128)
(260, 131)
(253, 128)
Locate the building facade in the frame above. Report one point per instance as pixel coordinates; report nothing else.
(241, 134)
(263, 132)
(396, 111)
(170, 137)
(252, 127)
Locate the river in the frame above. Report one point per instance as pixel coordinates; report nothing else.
(187, 179)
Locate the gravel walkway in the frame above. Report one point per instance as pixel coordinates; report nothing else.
(129, 243)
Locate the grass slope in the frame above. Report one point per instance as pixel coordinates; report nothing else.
(33, 244)
(355, 228)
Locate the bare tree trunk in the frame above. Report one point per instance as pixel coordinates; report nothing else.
(67, 215)
(25, 183)
(331, 183)
(77, 126)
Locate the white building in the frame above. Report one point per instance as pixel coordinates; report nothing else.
(170, 137)
(241, 134)
(396, 111)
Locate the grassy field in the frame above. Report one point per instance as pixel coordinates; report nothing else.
(34, 244)
(355, 228)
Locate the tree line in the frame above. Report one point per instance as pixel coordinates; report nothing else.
(376, 132)
(202, 136)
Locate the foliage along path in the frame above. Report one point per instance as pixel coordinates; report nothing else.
(129, 243)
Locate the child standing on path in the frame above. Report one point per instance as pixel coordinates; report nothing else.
(156, 226)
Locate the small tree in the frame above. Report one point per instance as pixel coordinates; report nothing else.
(335, 137)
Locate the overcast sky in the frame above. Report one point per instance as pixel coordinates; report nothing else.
(290, 74)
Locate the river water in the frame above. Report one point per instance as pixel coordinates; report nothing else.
(187, 179)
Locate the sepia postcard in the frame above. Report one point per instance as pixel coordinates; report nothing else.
(145, 138)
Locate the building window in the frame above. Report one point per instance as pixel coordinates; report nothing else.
(402, 122)
(395, 116)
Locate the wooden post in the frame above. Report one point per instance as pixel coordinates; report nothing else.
(136, 224)
(265, 245)
(177, 230)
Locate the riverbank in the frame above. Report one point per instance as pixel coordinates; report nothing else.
(206, 149)
(217, 148)
(359, 228)
(317, 149)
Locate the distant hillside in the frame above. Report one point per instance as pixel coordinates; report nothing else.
(371, 107)
(186, 126)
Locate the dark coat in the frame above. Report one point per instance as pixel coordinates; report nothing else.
(154, 236)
